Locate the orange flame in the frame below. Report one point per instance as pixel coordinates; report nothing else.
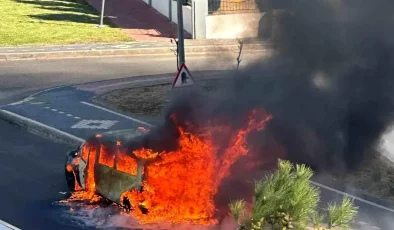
(69, 168)
(126, 164)
(181, 186)
(106, 157)
(143, 128)
(145, 153)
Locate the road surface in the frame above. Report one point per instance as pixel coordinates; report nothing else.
(32, 176)
(20, 78)
(32, 167)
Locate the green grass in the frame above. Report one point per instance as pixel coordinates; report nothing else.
(40, 22)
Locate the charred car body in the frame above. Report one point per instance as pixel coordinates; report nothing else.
(102, 165)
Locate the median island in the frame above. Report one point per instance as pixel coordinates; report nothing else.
(375, 179)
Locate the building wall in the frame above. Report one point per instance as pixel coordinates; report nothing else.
(168, 8)
(218, 26)
(162, 6)
(229, 26)
(187, 16)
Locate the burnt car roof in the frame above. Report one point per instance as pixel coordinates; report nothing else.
(122, 135)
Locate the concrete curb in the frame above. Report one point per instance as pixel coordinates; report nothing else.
(40, 129)
(49, 132)
(131, 52)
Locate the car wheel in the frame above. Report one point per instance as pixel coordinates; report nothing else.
(70, 179)
(126, 203)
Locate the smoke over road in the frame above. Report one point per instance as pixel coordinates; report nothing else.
(329, 87)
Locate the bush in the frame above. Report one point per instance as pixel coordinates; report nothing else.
(286, 199)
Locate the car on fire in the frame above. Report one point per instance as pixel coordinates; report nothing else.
(102, 162)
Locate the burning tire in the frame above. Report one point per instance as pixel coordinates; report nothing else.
(70, 170)
(70, 179)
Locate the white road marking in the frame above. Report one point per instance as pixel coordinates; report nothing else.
(354, 197)
(122, 46)
(113, 112)
(142, 122)
(56, 49)
(10, 50)
(313, 182)
(100, 47)
(69, 115)
(54, 110)
(94, 124)
(28, 120)
(37, 103)
(47, 107)
(22, 101)
(77, 117)
(61, 112)
(7, 226)
(40, 49)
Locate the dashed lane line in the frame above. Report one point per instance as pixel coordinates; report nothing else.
(150, 125)
(113, 112)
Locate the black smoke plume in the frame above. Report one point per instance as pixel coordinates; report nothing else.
(329, 85)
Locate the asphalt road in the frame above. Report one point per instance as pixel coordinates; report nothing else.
(32, 176)
(21, 78)
(31, 170)
(32, 167)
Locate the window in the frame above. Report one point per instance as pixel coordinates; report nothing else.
(125, 163)
(107, 156)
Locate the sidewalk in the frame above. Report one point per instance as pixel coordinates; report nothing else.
(138, 19)
(129, 48)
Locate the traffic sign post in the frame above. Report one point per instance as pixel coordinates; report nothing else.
(183, 78)
(102, 14)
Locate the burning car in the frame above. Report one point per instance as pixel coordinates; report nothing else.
(169, 174)
(98, 166)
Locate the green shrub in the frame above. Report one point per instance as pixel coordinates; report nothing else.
(286, 199)
(341, 215)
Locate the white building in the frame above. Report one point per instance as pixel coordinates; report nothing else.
(215, 19)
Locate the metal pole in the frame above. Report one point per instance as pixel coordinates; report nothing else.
(102, 14)
(181, 40)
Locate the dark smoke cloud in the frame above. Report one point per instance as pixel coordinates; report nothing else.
(329, 86)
